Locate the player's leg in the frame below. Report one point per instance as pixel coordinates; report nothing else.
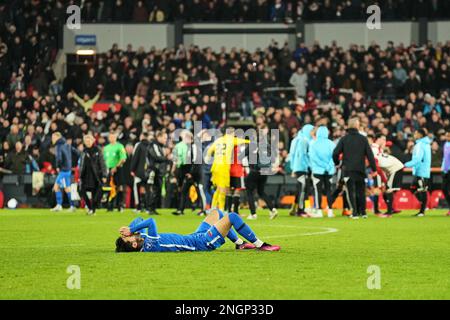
(120, 182)
(261, 189)
(58, 196)
(85, 198)
(317, 182)
(211, 219)
(376, 197)
(360, 193)
(229, 197)
(251, 183)
(96, 197)
(137, 193)
(422, 195)
(302, 194)
(222, 190)
(327, 190)
(447, 190)
(225, 224)
(350, 195)
(236, 201)
(185, 184)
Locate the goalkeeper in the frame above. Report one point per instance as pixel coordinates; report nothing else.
(142, 236)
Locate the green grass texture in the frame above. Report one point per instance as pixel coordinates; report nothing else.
(320, 259)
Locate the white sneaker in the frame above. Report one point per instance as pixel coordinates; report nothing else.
(137, 211)
(318, 214)
(331, 214)
(72, 209)
(252, 217)
(91, 213)
(273, 214)
(58, 208)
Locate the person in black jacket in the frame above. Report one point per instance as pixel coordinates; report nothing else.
(139, 168)
(188, 171)
(261, 162)
(158, 167)
(355, 149)
(93, 174)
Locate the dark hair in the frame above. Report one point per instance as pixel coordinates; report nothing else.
(380, 135)
(122, 246)
(422, 132)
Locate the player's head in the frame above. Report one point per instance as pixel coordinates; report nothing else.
(161, 137)
(144, 136)
(88, 140)
(371, 138)
(229, 130)
(112, 137)
(419, 134)
(354, 123)
(55, 137)
(380, 140)
(129, 244)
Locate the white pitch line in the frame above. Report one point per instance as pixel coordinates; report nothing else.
(325, 231)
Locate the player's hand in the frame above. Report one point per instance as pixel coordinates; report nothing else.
(133, 174)
(189, 176)
(374, 174)
(104, 180)
(125, 231)
(113, 170)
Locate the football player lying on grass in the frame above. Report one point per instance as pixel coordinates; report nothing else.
(143, 236)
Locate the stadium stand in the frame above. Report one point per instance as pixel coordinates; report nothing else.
(394, 89)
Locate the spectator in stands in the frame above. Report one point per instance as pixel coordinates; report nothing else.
(17, 159)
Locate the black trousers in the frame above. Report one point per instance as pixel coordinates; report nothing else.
(96, 196)
(355, 191)
(446, 188)
(393, 185)
(154, 196)
(322, 186)
(186, 184)
(119, 181)
(421, 186)
(255, 181)
(302, 191)
(141, 201)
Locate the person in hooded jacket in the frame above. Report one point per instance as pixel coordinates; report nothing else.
(320, 155)
(93, 174)
(299, 160)
(421, 166)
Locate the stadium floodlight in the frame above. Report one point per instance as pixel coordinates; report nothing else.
(85, 52)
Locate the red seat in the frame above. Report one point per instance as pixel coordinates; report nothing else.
(434, 198)
(405, 200)
(2, 199)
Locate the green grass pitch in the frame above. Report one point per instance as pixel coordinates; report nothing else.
(320, 259)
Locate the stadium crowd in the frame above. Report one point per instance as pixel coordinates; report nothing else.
(393, 90)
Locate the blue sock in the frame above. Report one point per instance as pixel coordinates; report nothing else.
(232, 235)
(242, 228)
(59, 198)
(69, 196)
